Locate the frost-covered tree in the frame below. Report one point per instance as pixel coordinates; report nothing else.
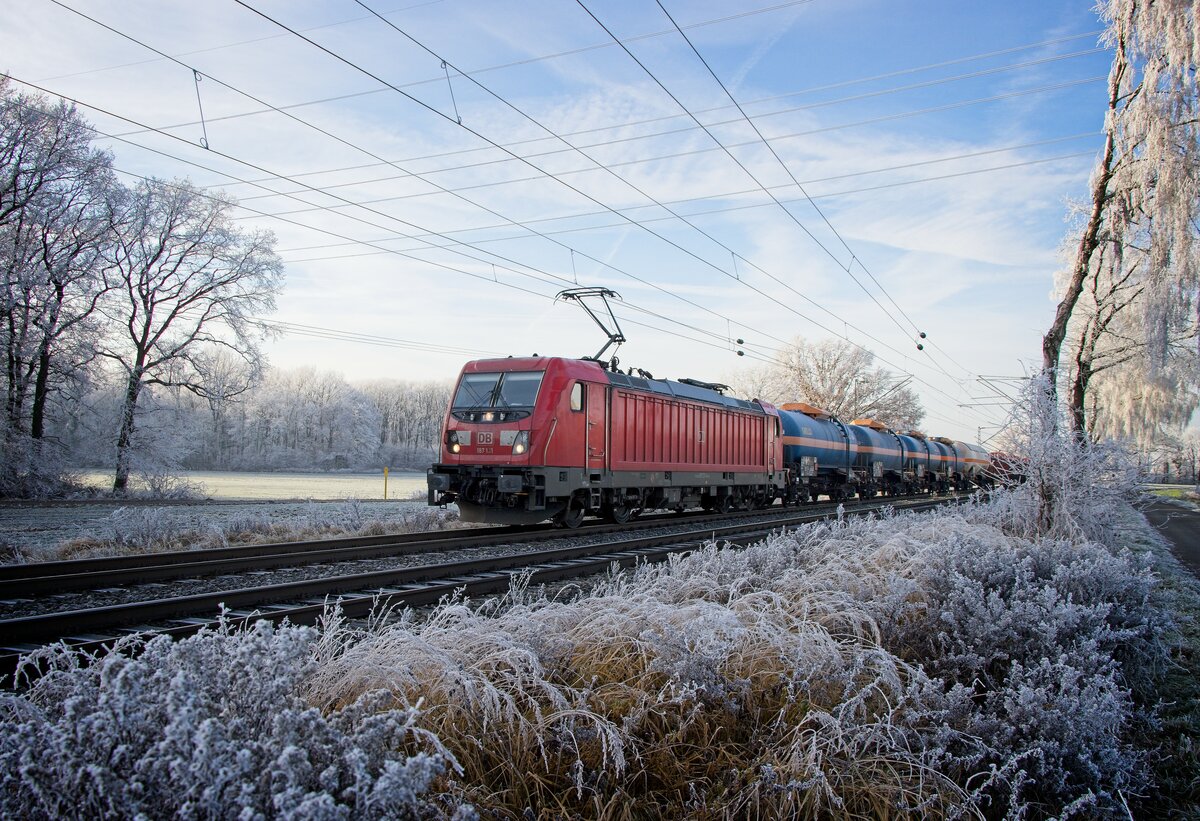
(410, 417)
(228, 378)
(1122, 383)
(840, 378)
(305, 418)
(1144, 200)
(55, 200)
(186, 282)
(1179, 458)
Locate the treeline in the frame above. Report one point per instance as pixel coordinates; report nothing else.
(310, 419)
(1176, 458)
(301, 419)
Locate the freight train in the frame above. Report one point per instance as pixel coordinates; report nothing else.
(535, 438)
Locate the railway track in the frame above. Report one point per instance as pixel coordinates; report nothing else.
(42, 578)
(304, 601)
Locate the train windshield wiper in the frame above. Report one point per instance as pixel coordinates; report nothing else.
(476, 391)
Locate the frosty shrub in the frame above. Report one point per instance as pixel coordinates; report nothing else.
(913, 666)
(1073, 484)
(33, 469)
(1058, 641)
(142, 529)
(743, 707)
(210, 727)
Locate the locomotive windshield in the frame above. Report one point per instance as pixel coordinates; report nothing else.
(514, 389)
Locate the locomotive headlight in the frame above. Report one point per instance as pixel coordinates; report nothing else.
(521, 443)
(455, 439)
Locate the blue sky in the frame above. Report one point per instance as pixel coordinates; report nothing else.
(937, 146)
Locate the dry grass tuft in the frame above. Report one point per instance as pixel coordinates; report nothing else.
(738, 703)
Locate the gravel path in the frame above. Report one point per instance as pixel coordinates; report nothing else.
(1179, 522)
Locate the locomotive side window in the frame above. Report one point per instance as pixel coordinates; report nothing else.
(577, 396)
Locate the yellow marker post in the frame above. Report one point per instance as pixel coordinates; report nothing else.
(385, 473)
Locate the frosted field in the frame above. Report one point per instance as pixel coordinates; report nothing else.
(286, 498)
(45, 526)
(216, 484)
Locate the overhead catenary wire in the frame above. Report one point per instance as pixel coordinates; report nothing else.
(676, 154)
(320, 332)
(452, 245)
(408, 255)
(526, 61)
(473, 131)
(721, 195)
(854, 257)
(667, 117)
(714, 341)
(494, 144)
(209, 49)
(319, 190)
(708, 211)
(342, 335)
(847, 266)
(283, 219)
(948, 176)
(442, 265)
(405, 222)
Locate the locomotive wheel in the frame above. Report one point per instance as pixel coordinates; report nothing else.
(571, 516)
(723, 504)
(618, 513)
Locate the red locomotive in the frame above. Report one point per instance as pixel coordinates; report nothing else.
(536, 438)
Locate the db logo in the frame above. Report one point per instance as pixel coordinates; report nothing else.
(486, 437)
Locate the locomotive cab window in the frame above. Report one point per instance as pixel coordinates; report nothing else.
(577, 396)
(514, 389)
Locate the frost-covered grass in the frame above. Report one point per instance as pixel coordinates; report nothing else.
(935, 666)
(1176, 737)
(1177, 493)
(136, 530)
